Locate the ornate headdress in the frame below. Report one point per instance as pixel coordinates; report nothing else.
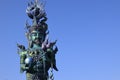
(36, 12)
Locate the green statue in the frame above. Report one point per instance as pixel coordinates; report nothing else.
(39, 57)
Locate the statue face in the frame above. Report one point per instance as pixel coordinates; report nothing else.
(36, 37)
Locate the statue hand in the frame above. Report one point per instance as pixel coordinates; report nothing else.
(24, 67)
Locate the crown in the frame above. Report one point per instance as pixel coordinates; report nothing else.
(36, 12)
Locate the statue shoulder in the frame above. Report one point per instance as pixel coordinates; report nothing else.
(22, 53)
(21, 50)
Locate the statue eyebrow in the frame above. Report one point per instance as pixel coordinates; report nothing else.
(34, 32)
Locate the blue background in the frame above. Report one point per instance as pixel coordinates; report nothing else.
(88, 34)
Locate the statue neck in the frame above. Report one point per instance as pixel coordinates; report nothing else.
(36, 46)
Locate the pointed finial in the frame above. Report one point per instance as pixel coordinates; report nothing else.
(36, 1)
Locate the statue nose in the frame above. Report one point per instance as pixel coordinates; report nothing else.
(37, 36)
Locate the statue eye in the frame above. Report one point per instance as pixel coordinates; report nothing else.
(34, 34)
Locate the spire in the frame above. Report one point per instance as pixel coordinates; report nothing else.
(36, 1)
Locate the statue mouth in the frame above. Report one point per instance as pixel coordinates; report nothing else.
(38, 41)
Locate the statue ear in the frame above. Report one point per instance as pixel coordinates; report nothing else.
(30, 44)
(29, 37)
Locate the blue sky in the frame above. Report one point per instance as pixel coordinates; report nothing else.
(88, 34)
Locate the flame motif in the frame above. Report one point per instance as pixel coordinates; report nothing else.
(36, 9)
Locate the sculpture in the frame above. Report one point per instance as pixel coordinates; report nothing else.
(39, 57)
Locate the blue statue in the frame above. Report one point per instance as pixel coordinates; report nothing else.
(39, 57)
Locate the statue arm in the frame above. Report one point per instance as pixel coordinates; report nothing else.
(52, 58)
(22, 62)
